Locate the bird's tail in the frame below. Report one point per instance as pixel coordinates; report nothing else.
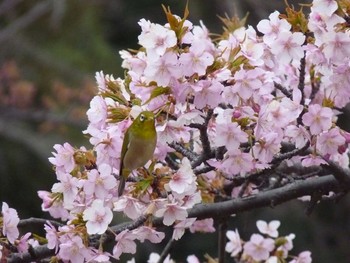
(121, 186)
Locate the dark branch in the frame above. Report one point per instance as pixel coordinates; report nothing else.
(287, 93)
(269, 198)
(166, 250)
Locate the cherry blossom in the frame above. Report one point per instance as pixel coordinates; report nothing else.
(273, 27)
(98, 217)
(51, 236)
(183, 178)
(327, 7)
(125, 244)
(336, 46)
(229, 135)
(259, 247)
(303, 257)
(142, 233)
(64, 158)
(203, 226)
(73, 250)
(171, 212)
(129, 205)
(329, 142)
(196, 60)
(163, 69)
(97, 113)
(10, 221)
(100, 182)
(154, 258)
(269, 229)
(179, 228)
(288, 46)
(156, 38)
(318, 118)
(234, 246)
(237, 163)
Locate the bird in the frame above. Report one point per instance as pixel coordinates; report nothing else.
(138, 146)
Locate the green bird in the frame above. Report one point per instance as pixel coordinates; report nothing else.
(138, 146)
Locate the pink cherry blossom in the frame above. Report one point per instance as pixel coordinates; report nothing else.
(172, 131)
(100, 182)
(23, 243)
(192, 259)
(288, 46)
(69, 187)
(287, 246)
(54, 207)
(171, 212)
(196, 60)
(156, 38)
(297, 134)
(336, 47)
(154, 258)
(64, 158)
(226, 46)
(73, 250)
(246, 82)
(51, 236)
(163, 69)
(234, 246)
(237, 162)
(108, 143)
(269, 229)
(207, 93)
(131, 206)
(98, 217)
(229, 135)
(327, 7)
(102, 79)
(312, 160)
(318, 118)
(258, 247)
(179, 228)
(203, 226)
(267, 146)
(125, 244)
(303, 257)
(271, 28)
(10, 221)
(144, 232)
(97, 113)
(328, 142)
(182, 178)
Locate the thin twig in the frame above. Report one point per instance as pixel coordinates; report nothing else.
(222, 240)
(166, 250)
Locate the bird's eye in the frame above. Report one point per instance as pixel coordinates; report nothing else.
(142, 117)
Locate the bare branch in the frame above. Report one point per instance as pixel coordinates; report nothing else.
(38, 252)
(166, 250)
(37, 221)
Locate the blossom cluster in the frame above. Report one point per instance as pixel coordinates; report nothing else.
(225, 109)
(9, 233)
(265, 247)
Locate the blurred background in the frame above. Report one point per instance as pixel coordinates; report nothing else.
(49, 53)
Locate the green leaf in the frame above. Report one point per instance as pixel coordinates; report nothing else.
(157, 92)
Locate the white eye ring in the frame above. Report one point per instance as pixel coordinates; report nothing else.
(142, 117)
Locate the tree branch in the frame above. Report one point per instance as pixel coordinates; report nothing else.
(166, 250)
(270, 198)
